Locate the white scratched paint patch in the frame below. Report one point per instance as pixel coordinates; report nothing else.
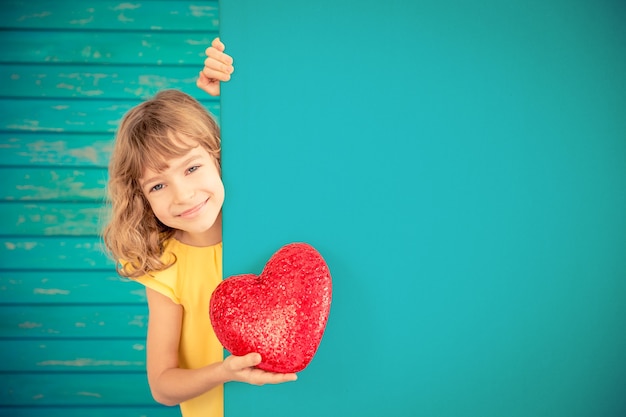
(20, 245)
(29, 325)
(81, 22)
(89, 394)
(50, 291)
(127, 6)
(201, 11)
(82, 362)
(34, 16)
(124, 19)
(138, 321)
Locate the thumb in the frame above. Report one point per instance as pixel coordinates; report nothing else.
(239, 363)
(250, 360)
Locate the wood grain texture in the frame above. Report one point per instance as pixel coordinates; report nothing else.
(55, 149)
(112, 15)
(74, 321)
(52, 389)
(68, 287)
(77, 356)
(110, 82)
(153, 410)
(67, 115)
(52, 219)
(53, 253)
(58, 184)
(105, 48)
(72, 332)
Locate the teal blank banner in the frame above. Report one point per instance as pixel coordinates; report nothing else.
(462, 168)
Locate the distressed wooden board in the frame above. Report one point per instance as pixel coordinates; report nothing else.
(63, 115)
(110, 82)
(49, 149)
(68, 115)
(111, 15)
(73, 356)
(97, 411)
(51, 389)
(68, 287)
(82, 321)
(50, 219)
(58, 184)
(105, 48)
(54, 253)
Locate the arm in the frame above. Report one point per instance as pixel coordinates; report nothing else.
(171, 385)
(218, 67)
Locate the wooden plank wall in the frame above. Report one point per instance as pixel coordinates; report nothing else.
(72, 333)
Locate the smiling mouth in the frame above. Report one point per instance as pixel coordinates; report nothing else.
(193, 210)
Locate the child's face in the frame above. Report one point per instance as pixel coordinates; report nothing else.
(188, 196)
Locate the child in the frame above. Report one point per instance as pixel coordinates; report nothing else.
(166, 227)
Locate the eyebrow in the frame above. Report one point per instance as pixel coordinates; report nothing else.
(157, 178)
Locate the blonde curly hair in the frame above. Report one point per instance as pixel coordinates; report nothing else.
(164, 127)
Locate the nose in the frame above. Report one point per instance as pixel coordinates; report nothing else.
(183, 193)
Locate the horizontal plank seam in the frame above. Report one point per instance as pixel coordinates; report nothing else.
(77, 304)
(57, 270)
(97, 372)
(87, 406)
(36, 236)
(141, 339)
(82, 29)
(207, 99)
(54, 201)
(86, 64)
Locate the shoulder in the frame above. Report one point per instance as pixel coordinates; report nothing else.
(166, 281)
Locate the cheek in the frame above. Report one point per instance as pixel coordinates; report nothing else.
(217, 191)
(158, 209)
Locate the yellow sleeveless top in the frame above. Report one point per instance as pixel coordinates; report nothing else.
(190, 283)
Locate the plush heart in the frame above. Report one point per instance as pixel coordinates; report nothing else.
(280, 314)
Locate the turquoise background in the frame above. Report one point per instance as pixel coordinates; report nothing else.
(462, 168)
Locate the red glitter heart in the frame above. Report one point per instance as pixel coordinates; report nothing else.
(280, 314)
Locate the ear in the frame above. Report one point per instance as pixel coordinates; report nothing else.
(218, 164)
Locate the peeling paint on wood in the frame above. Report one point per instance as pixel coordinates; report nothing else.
(53, 254)
(95, 116)
(50, 291)
(46, 389)
(79, 356)
(63, 307)
(74, 287)
(93, 321)
(145, 410)
(51, 149)
(111, 15)
(139, 48)
(50, 219)
(60, 184)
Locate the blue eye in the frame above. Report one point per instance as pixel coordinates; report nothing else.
(193, 168)
(156, 187)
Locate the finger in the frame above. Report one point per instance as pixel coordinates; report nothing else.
(214, 65)
(263, 378)
(212, 74)
(221, 57)
(217, 44)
